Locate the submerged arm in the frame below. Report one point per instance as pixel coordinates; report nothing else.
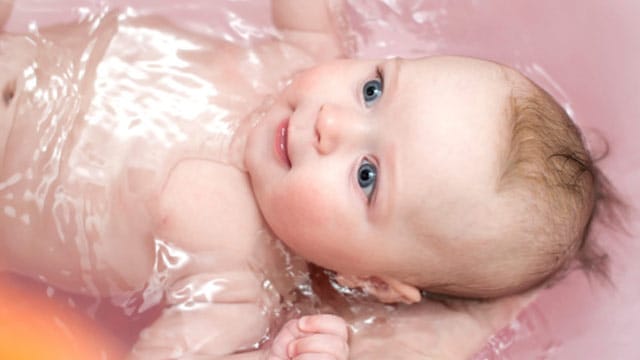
(215, 304)
(5, 11)
(215, 316)
(315, 25)
(310, 15)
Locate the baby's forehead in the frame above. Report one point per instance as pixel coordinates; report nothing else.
(462, 65)
(457, 126)
(457, 113)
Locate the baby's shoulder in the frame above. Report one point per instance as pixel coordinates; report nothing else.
(204, 206)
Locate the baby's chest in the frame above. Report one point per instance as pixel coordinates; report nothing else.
(187, 78)
(184, 100)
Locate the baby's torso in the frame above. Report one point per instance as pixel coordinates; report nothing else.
(110, 120)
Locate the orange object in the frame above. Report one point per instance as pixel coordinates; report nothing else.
(34, 327)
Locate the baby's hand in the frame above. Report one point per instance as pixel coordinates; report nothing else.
(314, 337)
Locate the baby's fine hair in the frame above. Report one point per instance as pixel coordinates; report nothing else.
(548, 164)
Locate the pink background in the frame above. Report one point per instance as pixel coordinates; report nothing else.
(586, 53)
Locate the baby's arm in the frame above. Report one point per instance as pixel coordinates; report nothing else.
(5, 11)
(208, 316)
(311, 16)
(314, 25)
(215, 302)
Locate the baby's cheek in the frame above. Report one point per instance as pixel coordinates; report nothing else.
(307, 205)
(317, 78)
(301, 216)
(303, 83)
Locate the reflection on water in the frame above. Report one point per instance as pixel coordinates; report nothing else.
(104, 137)
(103, 110)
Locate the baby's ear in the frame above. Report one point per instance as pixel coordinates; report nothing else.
(385, 289)
(596, 142)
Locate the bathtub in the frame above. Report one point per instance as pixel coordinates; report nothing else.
(585, 53)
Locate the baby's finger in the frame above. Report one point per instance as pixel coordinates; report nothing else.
(324, 323)
(319, 344)
(287, 334)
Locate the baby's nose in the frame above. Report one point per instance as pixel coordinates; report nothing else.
(336, 126)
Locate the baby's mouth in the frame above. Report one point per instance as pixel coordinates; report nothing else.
(281, 140)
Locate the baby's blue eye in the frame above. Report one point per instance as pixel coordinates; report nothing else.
(367, 173)
(371, 91)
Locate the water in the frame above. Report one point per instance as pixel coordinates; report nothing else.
(584, 53)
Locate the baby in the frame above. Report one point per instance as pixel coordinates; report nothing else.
(444, 175)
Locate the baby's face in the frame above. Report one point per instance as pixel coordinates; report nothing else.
(382, 167)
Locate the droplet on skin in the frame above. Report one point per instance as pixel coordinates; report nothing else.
(25, 219)
(10, 211)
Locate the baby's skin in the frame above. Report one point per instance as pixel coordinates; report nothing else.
(137, 190)
(122, 171)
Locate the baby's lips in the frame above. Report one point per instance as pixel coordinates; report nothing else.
(281, 143)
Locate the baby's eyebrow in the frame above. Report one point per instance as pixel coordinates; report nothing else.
(386, 191)
(388, 181)
(391, 70)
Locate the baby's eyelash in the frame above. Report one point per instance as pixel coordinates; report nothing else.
(380, 74)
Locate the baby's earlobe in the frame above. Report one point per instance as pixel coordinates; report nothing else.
(386, 289)
(398, 291)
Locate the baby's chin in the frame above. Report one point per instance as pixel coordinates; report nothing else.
(246, 134)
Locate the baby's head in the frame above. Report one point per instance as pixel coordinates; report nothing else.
(452, 175)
